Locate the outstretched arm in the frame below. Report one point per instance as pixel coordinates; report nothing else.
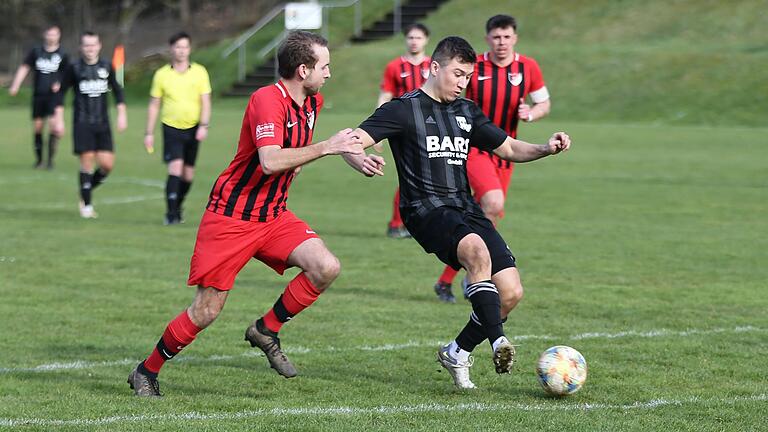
(275, 159)
(520, 151)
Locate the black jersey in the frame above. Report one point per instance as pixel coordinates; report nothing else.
(430, 141)
(47, 66)
(91, 84)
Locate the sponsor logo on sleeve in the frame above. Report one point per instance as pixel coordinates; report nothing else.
(265, 130)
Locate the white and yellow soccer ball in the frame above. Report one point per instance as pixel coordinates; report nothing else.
(561, 370)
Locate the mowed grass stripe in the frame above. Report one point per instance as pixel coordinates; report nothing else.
(381, 410)
(83, 364)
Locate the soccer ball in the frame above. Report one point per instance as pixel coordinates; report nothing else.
(561, 370)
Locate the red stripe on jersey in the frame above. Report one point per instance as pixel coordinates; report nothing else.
(402, 76)
(497, 90)
(243, 191)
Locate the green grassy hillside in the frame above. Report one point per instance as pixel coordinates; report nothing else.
(684, 61)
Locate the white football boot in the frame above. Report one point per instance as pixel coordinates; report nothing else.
(459, 370)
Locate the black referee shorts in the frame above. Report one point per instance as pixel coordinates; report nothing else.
(42, 105)
(180, 144)
(92, 137)
(440, 231)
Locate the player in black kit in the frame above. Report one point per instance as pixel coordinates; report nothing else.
(91, 78)
(430, 131)
(46, 61)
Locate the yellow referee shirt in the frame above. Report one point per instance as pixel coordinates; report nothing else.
(180, 94)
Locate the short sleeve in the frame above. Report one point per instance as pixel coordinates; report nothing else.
(31, 58)
(266, 113)
(156, 91)
(537, 79)
(386, 122)
(485, 134)
(205, 81)
(389, 81)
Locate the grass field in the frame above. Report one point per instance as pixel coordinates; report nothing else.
(645, 248)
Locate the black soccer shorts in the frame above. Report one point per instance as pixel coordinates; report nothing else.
(180, 144)
(90, 137)
(43, 105)
(440, 230)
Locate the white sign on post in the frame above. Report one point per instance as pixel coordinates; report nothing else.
(303, 16)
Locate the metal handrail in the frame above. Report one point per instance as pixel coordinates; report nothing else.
(243, 38)
(239, 43)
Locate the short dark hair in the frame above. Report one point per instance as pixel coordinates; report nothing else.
(416, 26)
(295, 50)
(53, 26)
(453, 47)
(500, 21)
(88, 33)
(180, 35)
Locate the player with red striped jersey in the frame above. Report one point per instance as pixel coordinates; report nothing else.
(402, 75)
(246, 216)
(502, 82)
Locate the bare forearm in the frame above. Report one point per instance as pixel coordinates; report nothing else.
(152, 111)
(205, 109)
(520, 151)
(283, 159)
(540, 110)
(21, 73)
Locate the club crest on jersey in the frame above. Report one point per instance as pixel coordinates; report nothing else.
(425, 73)
(463, 125)
(102, 73)
(515, 78)
(311, 119)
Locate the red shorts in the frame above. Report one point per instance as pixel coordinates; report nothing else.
(225, 244)
(485, 174)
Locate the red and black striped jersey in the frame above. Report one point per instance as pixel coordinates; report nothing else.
(243, 191)
(402, 76)
(498, 90)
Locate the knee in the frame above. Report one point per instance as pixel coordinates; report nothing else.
(106, 167)
(203, 314)
(475, 255)
(325, 272)
(510, 298)
(493, 206)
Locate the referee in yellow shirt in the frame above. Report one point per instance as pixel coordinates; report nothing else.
(184, 90)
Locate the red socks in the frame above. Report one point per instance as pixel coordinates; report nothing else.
(396, 221)
(179, 333)
(298, 295)
(449, 274)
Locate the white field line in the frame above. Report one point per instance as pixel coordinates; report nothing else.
(156, 184)
(83, 364)
(97, 202)
(380, 410)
